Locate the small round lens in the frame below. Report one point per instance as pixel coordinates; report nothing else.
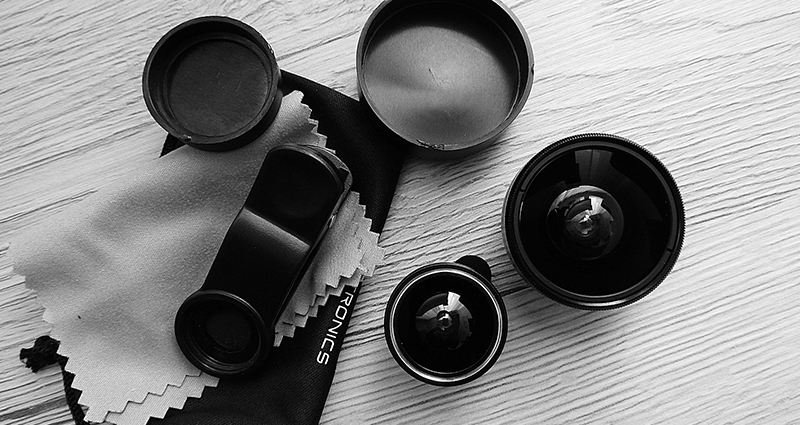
(445, 324)
(222, 334)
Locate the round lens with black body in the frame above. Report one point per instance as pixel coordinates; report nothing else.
(594, 221)
(445, 323)
(222, 333)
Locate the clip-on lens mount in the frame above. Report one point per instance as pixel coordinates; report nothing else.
(228, 326)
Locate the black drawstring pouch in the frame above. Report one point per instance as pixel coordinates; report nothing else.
(293, 386)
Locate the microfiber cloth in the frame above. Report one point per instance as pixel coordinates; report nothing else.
(111, 270)
(292, 388)
(294, 385)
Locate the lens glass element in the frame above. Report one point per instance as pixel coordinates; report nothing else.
(228, 330)
(223, 334)
(594, 221)
(585, 223)
(446, 324)
(220, 333)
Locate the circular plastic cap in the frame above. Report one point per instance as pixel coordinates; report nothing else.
(212, 83)
(445, 76)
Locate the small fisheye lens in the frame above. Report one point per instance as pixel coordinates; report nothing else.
(445, 324)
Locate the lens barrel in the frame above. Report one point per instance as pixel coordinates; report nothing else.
(445, 323)
(594, 221)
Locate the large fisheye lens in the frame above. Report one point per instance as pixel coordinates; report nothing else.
(593, 221)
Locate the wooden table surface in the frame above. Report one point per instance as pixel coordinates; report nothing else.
(712, 88)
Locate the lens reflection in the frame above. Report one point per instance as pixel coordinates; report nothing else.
(585, 222)
(443, 322)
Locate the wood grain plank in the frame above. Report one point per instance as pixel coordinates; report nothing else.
(712, 88)
(696, 349)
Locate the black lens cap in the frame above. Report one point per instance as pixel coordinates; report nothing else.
(212, 82)
(594, 221)
(445, 76)
(445, 323)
